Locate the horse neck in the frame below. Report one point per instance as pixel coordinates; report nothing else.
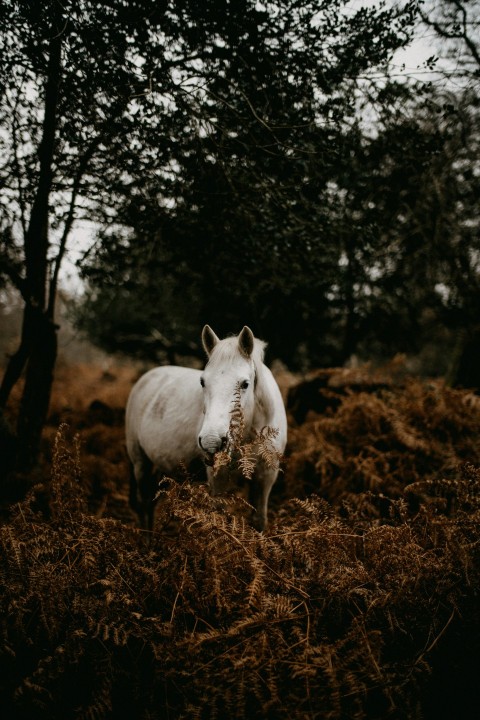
(264, 407)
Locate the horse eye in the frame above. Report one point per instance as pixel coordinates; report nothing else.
(244, 385)
(202, 382)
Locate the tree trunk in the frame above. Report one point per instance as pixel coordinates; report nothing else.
(349, 343)
(16, 363)
(38, 385)
(38, 346)
(465, 367)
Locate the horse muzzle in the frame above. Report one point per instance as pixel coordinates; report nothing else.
(211, 444)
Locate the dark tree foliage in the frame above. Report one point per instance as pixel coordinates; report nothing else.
(249, 222)
(68, 72)
(113, 104)
(455, 24)
(367, 243)
(413, 212)
(329, 235)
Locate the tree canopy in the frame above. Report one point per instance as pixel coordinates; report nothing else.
(353, 232)
(243, 211)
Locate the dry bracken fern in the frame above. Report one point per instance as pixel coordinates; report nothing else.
(355, 604)
(244, 453)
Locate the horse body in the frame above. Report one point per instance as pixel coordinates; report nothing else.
(164, 416)
(175, 415)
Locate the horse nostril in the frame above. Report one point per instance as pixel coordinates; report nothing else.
(212, 445)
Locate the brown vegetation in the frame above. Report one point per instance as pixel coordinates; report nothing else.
(360, 602)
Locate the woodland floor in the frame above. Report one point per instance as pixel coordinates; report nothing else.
(361, 600)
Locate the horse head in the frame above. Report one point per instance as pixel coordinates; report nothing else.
(228, 383)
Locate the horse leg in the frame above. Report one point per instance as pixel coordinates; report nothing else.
(259, 492)
(218, 483)
(147, 492)
(141, 489)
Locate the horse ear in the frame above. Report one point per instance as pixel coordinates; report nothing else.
(209, 339)
(246, 341)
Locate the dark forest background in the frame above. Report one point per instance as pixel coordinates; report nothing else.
(241, 163)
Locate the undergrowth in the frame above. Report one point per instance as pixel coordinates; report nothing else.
(362, 601)
(381, 442)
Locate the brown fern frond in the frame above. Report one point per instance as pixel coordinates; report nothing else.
(247, 460)
(265, 447)
(256, 587)
(236, 429)
(222, 459)
(244, 455)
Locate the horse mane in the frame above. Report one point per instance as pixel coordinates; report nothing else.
(262, 395)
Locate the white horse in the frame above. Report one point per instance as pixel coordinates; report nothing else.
(175, 415)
